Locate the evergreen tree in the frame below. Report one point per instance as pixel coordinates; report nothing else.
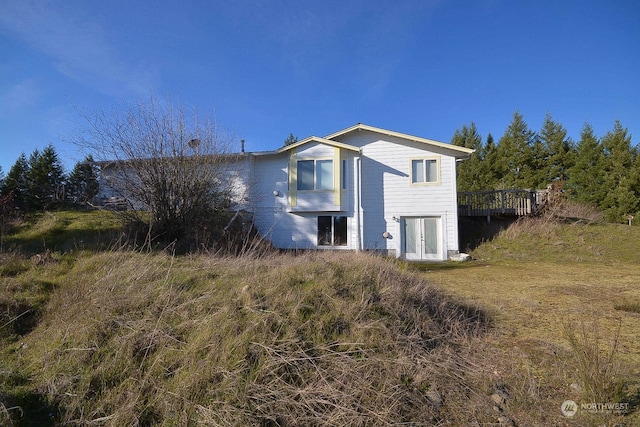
(515, 159)
(45, 179)
(558, 152)
(1, 179)
(15, 182)
(82, 185)
(620, 178)
(291, 139)
(490, 160)
(539, 167)
(586, 175)
(470, 175)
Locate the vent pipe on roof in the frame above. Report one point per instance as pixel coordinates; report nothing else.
(242, 145)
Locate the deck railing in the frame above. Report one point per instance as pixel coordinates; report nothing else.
(501, 202)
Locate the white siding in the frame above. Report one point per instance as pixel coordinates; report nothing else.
(273, 216)
(387, 191)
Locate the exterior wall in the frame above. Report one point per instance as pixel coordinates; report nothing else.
(296, 227)
(388, 195)
(315, 200)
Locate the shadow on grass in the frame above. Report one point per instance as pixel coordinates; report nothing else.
(445, 266)
(30, 409)
(63, 241)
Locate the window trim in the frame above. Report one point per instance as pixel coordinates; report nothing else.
(424, 160)
(315, 160)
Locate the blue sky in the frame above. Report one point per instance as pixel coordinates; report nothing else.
(269, 68)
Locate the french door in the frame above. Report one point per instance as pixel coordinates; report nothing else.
(422, 238)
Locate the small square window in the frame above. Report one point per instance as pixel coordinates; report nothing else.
(424, 171)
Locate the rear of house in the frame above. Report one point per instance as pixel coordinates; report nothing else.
(362, 188)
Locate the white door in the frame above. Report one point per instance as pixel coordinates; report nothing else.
(422, 238)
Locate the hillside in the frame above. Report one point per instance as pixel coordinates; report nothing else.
(93, 334)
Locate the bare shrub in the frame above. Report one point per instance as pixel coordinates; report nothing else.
(571, 210)
(173, 164)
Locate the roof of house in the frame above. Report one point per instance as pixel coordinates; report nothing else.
(306, 141)
(460, 152)
(331, 140)
(362, 127)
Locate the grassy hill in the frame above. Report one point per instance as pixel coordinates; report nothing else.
(93, 334)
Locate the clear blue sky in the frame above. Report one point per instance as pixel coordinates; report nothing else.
(270, 68)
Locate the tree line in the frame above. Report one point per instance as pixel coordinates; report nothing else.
(39, 182)
(601, 171)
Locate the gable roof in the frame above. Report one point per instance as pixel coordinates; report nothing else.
(462, 151)
(307, 141)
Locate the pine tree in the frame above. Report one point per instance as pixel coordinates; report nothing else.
(82, 185)
(15, 182)
(45, 179)
(515, 159)
(558, 151)
(470, 175)
(620, 178)
(586, 175)
(291, 139)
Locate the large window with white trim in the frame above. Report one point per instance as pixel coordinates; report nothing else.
(425, 171)
(332, 230)
(315, 174)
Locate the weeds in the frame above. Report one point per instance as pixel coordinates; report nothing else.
(596, 363)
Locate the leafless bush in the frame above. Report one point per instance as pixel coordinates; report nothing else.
(174, 165)
(570, 210)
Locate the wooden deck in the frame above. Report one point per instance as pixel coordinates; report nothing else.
(501, 202)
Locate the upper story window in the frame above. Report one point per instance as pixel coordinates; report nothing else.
(425, 171)
(315, 175)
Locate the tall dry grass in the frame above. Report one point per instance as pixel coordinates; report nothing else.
(595, 359)
(316, 339)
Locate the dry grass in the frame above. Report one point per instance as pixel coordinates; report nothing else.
(558, 294)
(131, 338)
(318, 339)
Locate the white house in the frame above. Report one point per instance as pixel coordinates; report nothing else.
(362, 188)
